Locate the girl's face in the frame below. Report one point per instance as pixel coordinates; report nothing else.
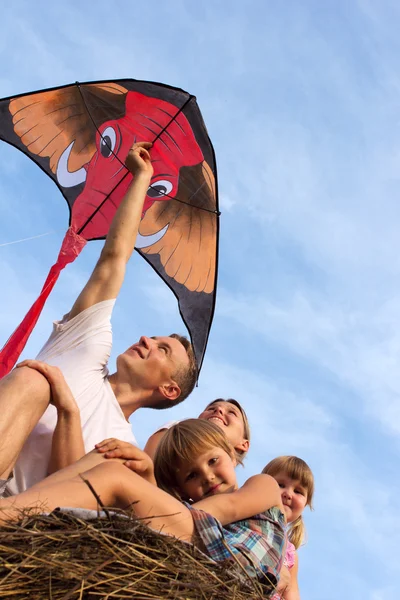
(229, 418)
(293, 494)
(211, 473)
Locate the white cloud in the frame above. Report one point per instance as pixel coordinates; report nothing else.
(384, 593)
(226, 202)
(359, 348)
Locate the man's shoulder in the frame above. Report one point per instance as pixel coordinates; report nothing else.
(83, 332)
(100, 310)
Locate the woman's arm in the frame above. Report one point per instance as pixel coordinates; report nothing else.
(67, 444)
(153, 441)
(258, 494)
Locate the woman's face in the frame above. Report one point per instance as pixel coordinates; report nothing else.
(230, 419)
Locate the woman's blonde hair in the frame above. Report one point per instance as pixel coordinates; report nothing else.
(296, 469)
(185, 442)
(240, 454)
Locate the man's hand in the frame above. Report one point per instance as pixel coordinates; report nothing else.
(67, 445)
(61, 395)
(135, 459)
(138, 160)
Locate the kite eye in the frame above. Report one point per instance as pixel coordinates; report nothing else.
(107, 142)
(159, 188)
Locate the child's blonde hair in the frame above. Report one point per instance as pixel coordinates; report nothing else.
(296, 469)
(185, 442)
(240, 454)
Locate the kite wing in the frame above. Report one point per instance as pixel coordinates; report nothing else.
(80, 135)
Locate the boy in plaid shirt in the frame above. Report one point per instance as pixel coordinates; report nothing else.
(197, 497)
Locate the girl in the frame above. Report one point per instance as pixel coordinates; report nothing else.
(194, 461)
(296, 483)
(228, 415)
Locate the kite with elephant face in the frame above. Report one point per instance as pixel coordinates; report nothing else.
(80, 135)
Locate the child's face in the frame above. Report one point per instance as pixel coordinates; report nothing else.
(228, 418)
(211, 473)
(293, 494)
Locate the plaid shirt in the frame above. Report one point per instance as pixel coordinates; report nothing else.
(256, 543)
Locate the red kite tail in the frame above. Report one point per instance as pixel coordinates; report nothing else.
(71, 247)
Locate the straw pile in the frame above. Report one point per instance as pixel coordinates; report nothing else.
(62, 556)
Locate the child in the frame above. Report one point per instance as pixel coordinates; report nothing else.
(296, 482)
(195, 461)
(192, 460)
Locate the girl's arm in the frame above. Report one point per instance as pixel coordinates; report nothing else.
(67, 445)
(293, 592)
(257, 495)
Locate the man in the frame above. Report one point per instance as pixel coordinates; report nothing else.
(155, 372)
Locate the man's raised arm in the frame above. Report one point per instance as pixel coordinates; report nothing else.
(106, 280)
(25, 393)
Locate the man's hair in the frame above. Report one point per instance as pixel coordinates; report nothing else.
(186, 375)
(183, 443)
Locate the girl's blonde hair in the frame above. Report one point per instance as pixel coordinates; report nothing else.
(185, 442)
(240, 454)
(296, 469)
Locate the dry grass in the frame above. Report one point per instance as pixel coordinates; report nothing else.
(61, 556)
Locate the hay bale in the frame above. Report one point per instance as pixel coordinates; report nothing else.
(63, 556)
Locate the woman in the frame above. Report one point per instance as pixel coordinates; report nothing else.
(228, 415)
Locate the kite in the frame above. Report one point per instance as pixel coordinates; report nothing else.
(79, 135)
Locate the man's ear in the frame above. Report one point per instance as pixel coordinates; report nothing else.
(170, 391)
(243, 446)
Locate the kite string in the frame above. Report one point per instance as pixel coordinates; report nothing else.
(33, 237)
(216, 212)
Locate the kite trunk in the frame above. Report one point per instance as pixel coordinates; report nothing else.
(71, 247)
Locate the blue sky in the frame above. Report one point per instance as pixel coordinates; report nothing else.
(302, 103)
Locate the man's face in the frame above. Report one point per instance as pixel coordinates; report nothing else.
(152, 362)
